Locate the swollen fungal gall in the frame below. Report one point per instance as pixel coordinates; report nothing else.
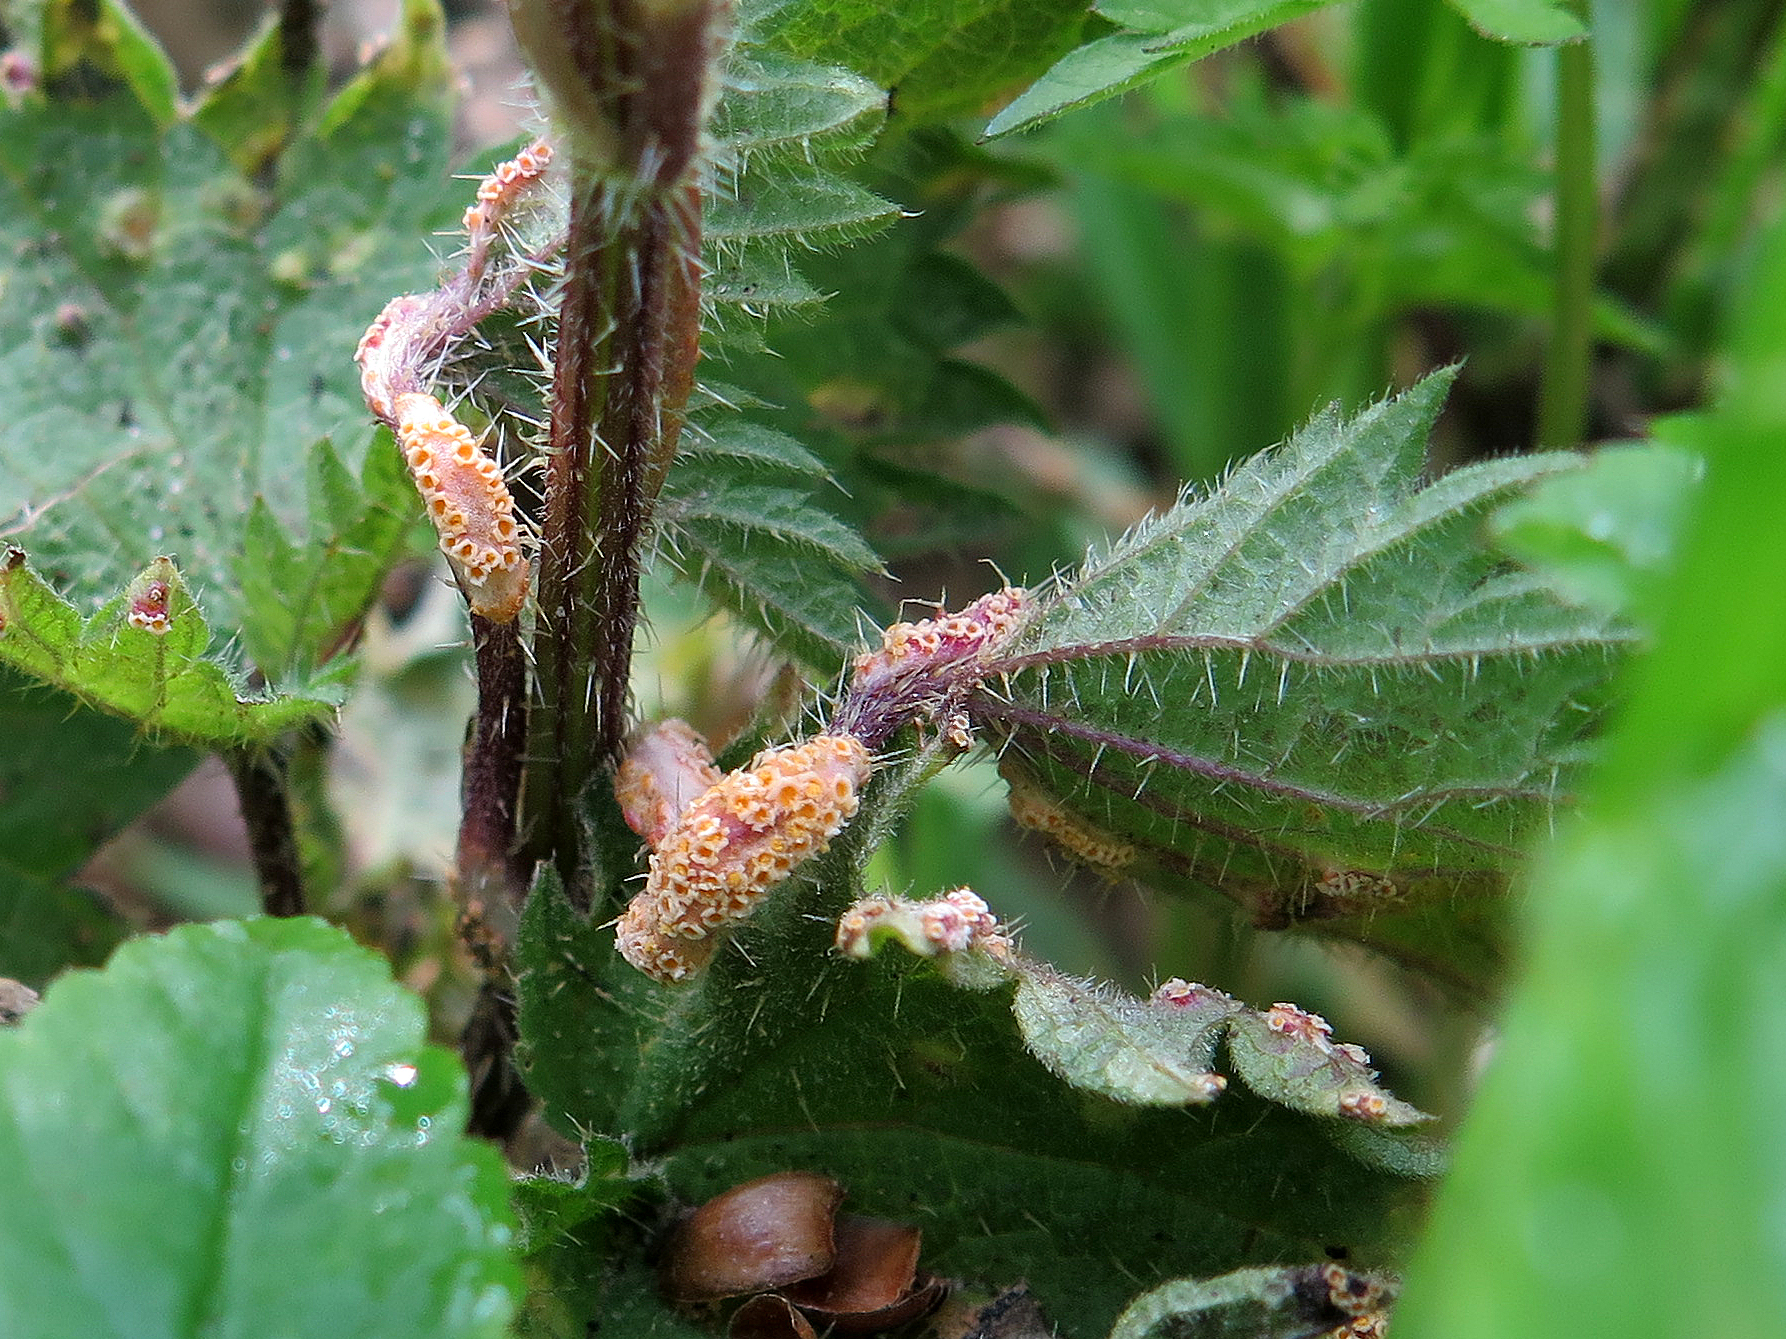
(734, 843)
(384, 354)
(1107, 854)
(468, 503)
(497, 192)
(664, 772)
(149, 608)
(912, 649)
(1299, 1023)
(952, 923)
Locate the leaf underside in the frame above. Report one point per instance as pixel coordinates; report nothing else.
(1317, 691)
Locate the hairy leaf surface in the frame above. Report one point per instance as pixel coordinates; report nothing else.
(942, 58)
(236, 1130)
(1317, 691)
(922, 1099)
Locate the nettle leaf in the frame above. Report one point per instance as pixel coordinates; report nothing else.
(141, 656)
(740, 516)
(922, 1099)
(235, 1130)
(942, 58)
(300, 595)
(782, 130)
(177, 336)
(1316, 691)
(69, 779)
(1164, 34)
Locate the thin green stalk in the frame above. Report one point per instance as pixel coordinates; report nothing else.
(1563, 404)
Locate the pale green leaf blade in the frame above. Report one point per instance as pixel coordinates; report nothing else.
(236, 1129)
(1316, 691)
(161, 679)
(1606, 533)
(1172, 33)
(1531, 22)
(1613, 1179)
(1088, 74)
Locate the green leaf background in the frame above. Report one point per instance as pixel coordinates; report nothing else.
(235, 1129)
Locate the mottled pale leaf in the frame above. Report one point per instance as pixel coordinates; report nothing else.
(1102, 1040)
(237, 1130)
(1304, 1302)
(1318, 692)
(177, 336)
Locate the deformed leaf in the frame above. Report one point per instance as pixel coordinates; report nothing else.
(1316, 691)
(1099, 1039)
(1279, 1056)
(142, 656)
(1298, 1302)
(237, 1130)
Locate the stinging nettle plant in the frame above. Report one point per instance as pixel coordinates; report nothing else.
(260, 344)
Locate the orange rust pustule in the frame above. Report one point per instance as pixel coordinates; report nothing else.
(734, 843)
(498, 191)
(664, 771)
(469, 504)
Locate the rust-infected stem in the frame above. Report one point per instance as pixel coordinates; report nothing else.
(492, 869)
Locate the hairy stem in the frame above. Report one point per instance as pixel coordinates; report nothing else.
(491, 867)
(628, 326)
(1562, 408)
(632, 84)
(265, 797)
